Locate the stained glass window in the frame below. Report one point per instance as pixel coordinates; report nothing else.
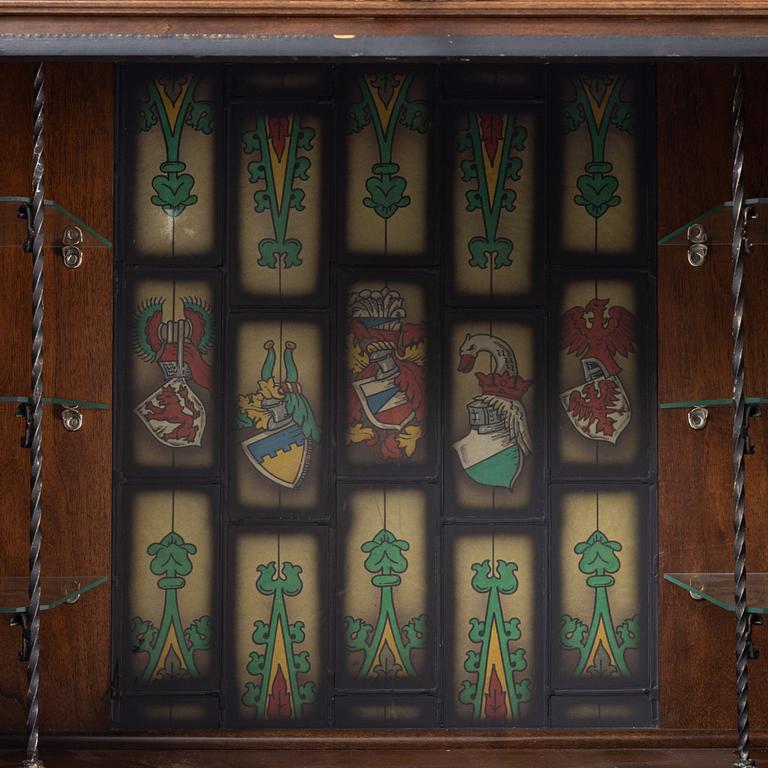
(279, 452)
(171, 407)
(386, 589)
(171, 118)
(171, 620)
(388, 137)
(385, 356)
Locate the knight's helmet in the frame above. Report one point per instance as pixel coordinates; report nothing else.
(278, 415)
(178, 333)
(384, 311)
(483, 418)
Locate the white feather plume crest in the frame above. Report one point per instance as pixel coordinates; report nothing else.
(383, 303)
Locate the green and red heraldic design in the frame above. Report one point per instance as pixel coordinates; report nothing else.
(493, 451)
(281, 690)
(281, 146)
(495, 692)
(493, 142)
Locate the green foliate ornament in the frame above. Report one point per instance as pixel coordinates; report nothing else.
(601, 645)
(171, 648)
(279, 691)
(386, 647)
(170, 102)
(599, 106)
(495, 691)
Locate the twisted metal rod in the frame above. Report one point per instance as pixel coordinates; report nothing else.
(738, 248)
(36, 455)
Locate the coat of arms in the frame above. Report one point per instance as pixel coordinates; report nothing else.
(493, 451)
(281, 421)
(174, 413)
(599, 407)
(385, 359)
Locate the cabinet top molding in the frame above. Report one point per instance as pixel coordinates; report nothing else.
(391, 9)
(135, 28)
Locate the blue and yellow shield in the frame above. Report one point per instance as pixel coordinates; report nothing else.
(281, 455)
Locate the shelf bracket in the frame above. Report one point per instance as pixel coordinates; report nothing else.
(25, 412)
(22, 620)
(753, 620)
(750, 412)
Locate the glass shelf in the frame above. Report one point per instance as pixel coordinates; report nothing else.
(720, 401)
(719, 226)
(56, 401)
(56, 591)
(13, 228)
(719, 589)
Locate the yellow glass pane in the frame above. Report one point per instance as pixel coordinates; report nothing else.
(279, 460)
(171, 173)
(172, 374)
(387, 151)
(281, 203)
(386, 588)
(494, 203)
(493, 430)
(494, 666)
(278, 627)
(600, 586)
(599, 167)
(170, 612)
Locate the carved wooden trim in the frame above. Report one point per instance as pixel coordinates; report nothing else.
(552, 9)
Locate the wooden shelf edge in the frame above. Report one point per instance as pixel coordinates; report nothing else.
(652, 738)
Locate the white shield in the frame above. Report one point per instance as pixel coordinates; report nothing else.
(599, 409)
(173, 414)
(384, 403)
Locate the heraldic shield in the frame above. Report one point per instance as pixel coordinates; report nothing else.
(599, 409)
(490, 456)
(494, 450)
(383, 401)
(174, 414)
(285, 424)
(281, 454)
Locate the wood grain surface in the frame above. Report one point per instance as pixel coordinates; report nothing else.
(78, 365)
(697, 640)
(445, 758)
(384, 17)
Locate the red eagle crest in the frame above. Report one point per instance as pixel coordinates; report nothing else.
(595, 403)
(590, 331)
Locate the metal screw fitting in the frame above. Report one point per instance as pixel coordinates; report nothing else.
(74, 588)
(71, 251)
(72, 419)
(697, 234)
(697, 245)
(697, 254)
(697, 418)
